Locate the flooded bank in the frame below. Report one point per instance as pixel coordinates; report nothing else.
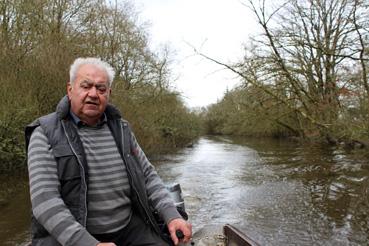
(278, 192)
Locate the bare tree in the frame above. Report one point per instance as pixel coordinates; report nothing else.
(305, 46)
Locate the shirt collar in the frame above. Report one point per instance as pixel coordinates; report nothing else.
(78, 121)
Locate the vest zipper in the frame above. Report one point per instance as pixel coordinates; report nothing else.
(132, 183)
(84, 174)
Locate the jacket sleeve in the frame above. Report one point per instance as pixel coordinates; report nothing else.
(158, 194)
(47, 205)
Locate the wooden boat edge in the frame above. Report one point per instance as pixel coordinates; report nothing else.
(237, 238)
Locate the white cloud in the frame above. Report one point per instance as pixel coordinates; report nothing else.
(218, 27)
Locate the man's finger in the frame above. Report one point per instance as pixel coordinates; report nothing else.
(174, 237)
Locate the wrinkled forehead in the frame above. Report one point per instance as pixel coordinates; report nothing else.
(92, 73)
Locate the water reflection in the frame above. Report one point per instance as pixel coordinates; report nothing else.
(15, 212)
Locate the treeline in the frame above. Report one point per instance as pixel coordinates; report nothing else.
(305, 75)
(40, 39)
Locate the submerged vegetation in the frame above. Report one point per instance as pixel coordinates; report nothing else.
(38, 42)
(305, 76)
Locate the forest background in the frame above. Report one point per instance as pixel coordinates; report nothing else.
(38, 42)
(304, 76)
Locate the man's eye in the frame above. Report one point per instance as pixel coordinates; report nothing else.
(101, 89)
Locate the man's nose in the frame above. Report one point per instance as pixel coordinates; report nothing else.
(92, 92)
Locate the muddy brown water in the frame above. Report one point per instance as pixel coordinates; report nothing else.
(277, 192)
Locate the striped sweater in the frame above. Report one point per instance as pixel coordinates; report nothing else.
(109, 206)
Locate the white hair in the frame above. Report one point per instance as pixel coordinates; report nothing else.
(93, 61)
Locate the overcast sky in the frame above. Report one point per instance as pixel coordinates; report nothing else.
(217, 27)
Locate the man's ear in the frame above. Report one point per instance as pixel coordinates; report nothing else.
(69, 89)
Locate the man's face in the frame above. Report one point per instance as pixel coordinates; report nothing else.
(89, 93)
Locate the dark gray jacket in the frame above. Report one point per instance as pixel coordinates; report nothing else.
(72, 168)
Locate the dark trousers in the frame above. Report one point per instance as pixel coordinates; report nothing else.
(136, 233)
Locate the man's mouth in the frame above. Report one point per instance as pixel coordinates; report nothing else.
(92, 103)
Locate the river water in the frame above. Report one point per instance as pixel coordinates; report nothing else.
(277, 192)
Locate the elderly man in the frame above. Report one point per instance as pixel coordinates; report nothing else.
(90, 182)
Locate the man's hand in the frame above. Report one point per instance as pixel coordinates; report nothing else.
(182, 225)
(106, 244)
